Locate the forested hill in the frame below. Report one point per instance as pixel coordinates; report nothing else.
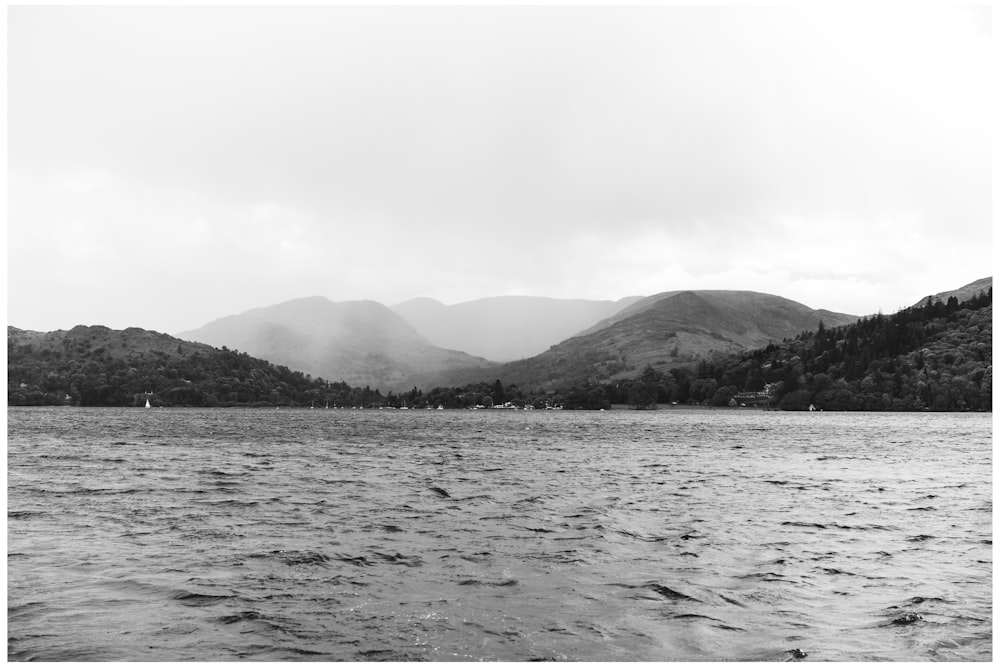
(934, 356)
(98, 366)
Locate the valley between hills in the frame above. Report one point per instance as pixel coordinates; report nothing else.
(680, 345)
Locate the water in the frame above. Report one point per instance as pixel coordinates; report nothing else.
(674, 535)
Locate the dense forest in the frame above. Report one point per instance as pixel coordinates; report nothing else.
(936, 356)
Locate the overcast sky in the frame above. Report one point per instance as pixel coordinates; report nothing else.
(169, 166)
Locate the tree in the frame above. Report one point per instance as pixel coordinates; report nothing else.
(639, 398)
(800, 399)
(723, 395)
(498, 394)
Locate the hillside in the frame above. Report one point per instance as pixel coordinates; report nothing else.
(505, 328)
(962, 294)
(98, 366)
(663, 331)
(362, 343)
(936, 356)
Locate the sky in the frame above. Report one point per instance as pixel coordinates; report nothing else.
(167, 166)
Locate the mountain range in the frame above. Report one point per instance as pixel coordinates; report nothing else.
(351, 345)
(553, 342)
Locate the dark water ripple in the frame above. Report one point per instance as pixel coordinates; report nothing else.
(677, 535)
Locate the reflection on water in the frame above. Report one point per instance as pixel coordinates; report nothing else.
(458, 535)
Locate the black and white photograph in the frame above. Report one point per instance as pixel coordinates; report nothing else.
(500, 332)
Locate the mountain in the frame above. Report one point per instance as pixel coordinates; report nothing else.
(963, 293)
(935, 356)
(664, 330)
(98, 366)
(505, 328)
(357, 342)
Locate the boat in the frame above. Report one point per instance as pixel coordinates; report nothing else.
(147, 403)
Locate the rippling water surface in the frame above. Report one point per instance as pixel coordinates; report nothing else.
(497, 535)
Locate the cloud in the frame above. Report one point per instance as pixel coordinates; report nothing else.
(238, 156)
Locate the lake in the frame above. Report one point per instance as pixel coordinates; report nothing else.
(355, 535)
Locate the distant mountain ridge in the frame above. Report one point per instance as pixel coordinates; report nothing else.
(662, 331)
(505, 328)
(771, 315)
(366, 343)
(357, 342)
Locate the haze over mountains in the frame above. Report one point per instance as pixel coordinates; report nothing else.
(366, 343)
(505, 328)
(358, 342)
